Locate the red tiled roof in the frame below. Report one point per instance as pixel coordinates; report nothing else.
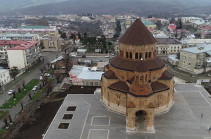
(140, 66)
(110, 74)
(166, 75)
(137, 34)
(157, 87)
(119, 86)
(11, 42)
(172, 26)
(24, 46)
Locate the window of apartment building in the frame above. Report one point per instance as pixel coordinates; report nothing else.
(87, 83)
(96, 83)
(91, 83)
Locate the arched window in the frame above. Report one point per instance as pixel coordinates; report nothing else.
(136, 56)
(146, 55)
(131, 56)
(150, 54)
(140, 56)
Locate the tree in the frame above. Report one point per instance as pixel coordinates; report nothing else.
(63, 35)
(23, 83)
(14, 72)
(58, 77)
(73, 36)
(79, 35)
(18, 88)
(42, 44)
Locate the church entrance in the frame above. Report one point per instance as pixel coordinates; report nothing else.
(140, 120)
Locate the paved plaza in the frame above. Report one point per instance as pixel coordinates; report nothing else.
(92, 120)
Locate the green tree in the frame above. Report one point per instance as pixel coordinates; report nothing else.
(14, 72)
(63, 35)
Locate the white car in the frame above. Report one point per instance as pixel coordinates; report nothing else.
(34, 88)
(47, 74)
(10, 92)
(108, 56)
(209, 74)
(41, 78)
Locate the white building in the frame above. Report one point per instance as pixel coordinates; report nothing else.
(23, 37)
(167, 46)
(24, 55)
(4, 76)
(85, 76)
(195, 42)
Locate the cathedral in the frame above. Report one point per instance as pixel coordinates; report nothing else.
(136, 83)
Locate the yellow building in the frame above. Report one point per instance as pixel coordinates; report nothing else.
(136, 82)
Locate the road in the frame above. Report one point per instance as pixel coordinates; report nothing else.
(33, 74)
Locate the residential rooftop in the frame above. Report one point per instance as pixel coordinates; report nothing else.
(198, 49)
(18, 35)
(24, 46)
(85, 73)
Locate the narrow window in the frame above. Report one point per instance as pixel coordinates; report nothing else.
(140, 56)
(136, 56)
(126, 54)
(131, 55)
(146, 55)
(150, 54)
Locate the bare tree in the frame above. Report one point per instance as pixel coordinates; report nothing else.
(18, 88)
(23, 83)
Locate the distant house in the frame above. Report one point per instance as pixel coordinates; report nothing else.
(196, 60)
(172, 27)
(149, 24)
(166, 46)
(4, 76)
(85, 76)
(24, 55)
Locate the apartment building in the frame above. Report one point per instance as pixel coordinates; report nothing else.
(4, 76)
(196, 60)
(23, 55)
(48, 35)
(23, 37)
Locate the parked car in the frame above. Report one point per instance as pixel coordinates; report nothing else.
(47, 74)
(34, 88)
(10, 92)
(41, 78)
(209, 74)
(101, 60)
(108, 56)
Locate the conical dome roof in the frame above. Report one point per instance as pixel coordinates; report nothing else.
(137, 34)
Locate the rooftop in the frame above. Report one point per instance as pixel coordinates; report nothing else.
(147, 22)
(24, 46)
(198, 49)
(92, 120)
(33, 27)
(137, 34)
(167, 41)
(18, 35)
(3, 70)
(85, 73)
(11, 42)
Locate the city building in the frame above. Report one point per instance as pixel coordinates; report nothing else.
(85, 76)
(166, 46)
(5, 45)
(23, 55)
(49, 36)
(22, 37)
(196, 60)
(195, 42)
(149, 24)
(4, 76)
(136, 83)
